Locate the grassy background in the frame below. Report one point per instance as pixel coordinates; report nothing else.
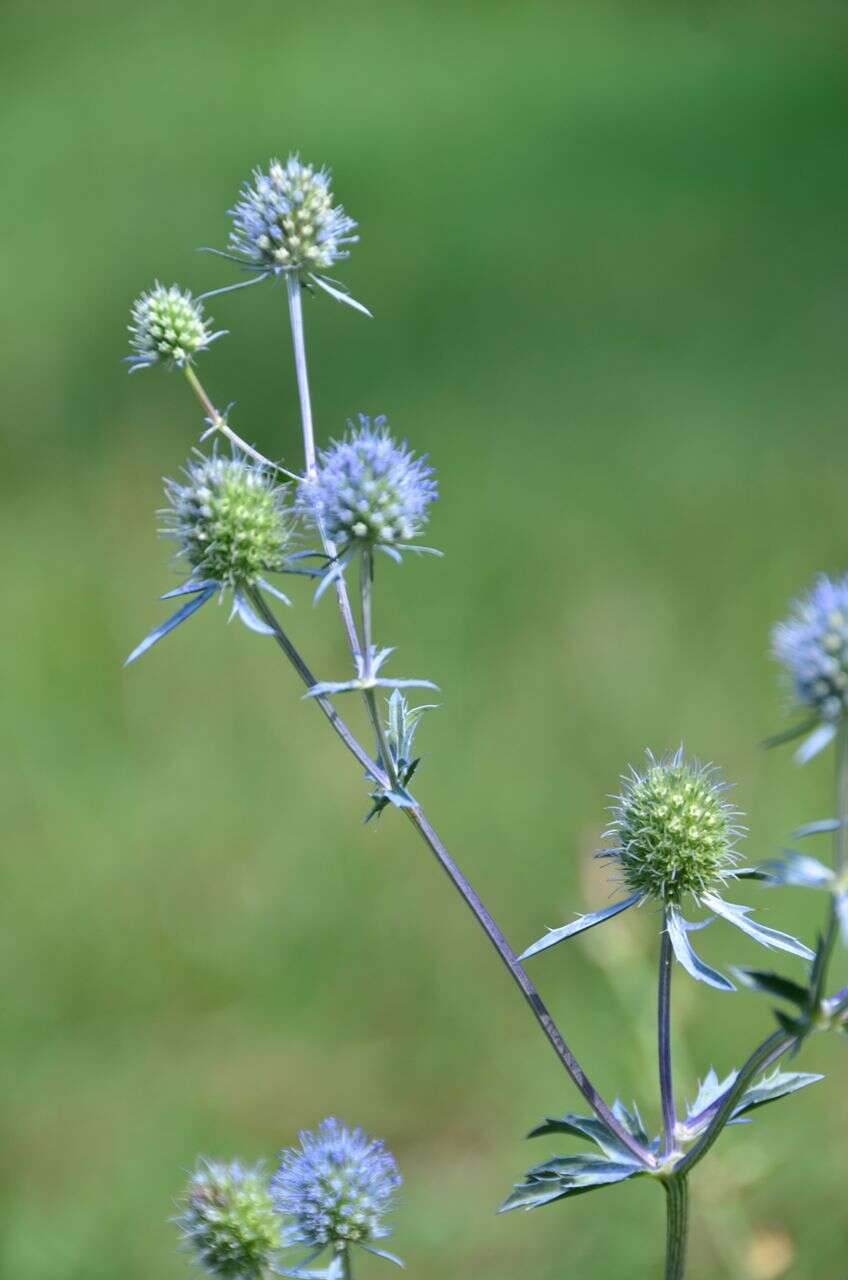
(605, 248)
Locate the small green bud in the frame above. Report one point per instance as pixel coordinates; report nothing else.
(673, 830)
(167, 325)
(229, 1221)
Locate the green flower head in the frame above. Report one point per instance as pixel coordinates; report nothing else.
(228, 1220)
(673, 830)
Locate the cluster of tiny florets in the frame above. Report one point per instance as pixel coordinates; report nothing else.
(230, 520)
(167, 324)
(286, 220)
(672, 829)
(229, 1222)
(368, 489)
(813, 646)
(335, 1188)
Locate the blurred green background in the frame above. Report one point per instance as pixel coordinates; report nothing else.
(605, 249)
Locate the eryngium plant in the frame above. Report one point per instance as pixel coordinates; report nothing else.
(673, 838)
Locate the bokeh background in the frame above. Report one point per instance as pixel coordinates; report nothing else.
(605, 249)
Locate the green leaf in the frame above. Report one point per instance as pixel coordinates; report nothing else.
(588, 1127)
(773, 984)
(568, 1176)
(769, 1088)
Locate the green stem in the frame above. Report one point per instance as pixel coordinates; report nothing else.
(347, 1265)
(677, 1226)
(219, 423)
(824, 954)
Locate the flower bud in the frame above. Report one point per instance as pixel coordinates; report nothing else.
(229, 1222)
(335, 1188)
(673, 830)
(230, 520)
(368, 490)
(812, 644)
(169, 325)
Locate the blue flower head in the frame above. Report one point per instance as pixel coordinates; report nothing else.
(286, 220)
(229, 1222)
(673, 837)
(231, 522)
(368, 491)
(168, 325)
(812, 644)
(335, 1188)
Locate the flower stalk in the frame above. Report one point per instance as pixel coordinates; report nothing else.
(664, 1041)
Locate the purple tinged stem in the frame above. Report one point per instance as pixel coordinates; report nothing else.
(664, 1041)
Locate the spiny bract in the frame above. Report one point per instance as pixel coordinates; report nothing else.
(813, 646)
(368, 489)
(286, 220)
(335, 1188)
(167, 324)
(229, 1221)
(672, 829)
(230, 519)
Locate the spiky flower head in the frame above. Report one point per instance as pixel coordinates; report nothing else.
(230, 519)
(369, 490)
(228, 1220)
(673, 830)
(335, 1188)
(813, 646)
(286, 220)
(168, 324)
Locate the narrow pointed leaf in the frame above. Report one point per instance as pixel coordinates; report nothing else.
(821, 827)
(773, 984)
(740, 917)
(691, 961)
(382, 1253)
(797, 869)
(553, 936)
(788, 735)
(170, 623)
(189, 589)
(247, 615)
(324, 284)
(405, 684)
(817, 741)
(275, 591)
(326, 687)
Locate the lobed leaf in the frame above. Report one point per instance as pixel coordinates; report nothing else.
(568, 1176)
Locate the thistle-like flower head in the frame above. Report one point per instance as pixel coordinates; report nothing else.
(167, 325)
(286, 220)
(673, 830)
(335, 1188)
(368, 491)
(230, 519)
(228, 1220)
(812, 644)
